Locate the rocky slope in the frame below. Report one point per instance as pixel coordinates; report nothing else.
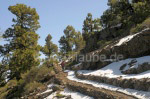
(125, 79)
(90, 90)
(62, 82)
(122, 47)
(93, 85)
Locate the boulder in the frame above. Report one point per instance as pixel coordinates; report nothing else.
(141, 68)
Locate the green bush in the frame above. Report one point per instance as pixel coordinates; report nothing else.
(38, 74)
(12, 83)
(33, 86)
(3, 95)
(7, 88)
(31, 81)
(58, 95)
(49, 62)
(103, 43)
(29, 76)
(44, 73)
(146, 23)
(3, 92)
(140, 27)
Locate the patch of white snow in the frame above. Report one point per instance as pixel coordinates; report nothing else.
(128, 38)
(113, 70)
(132, 92)
(75, 95)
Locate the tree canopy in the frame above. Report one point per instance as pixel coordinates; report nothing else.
(71, 41)
(49, 49)
(22, 49)
(90, 27)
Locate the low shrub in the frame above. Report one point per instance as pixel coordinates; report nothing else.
(7, 88)
(38, 74)
(29, 76)
(12, 83)
(136, 29)
(146, 23)
(58, 95)
(49, 62)
(30, 81)
(140, 27)
(3, 92)
(33, 86)
(103, 43)
(44, 74)
(3, 95)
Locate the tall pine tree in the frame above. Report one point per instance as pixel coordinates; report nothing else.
(22, 51)
(90, 27)
(71, 42)
(49, 49)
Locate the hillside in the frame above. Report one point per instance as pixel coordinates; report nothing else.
(107, 56)
(108, 82)
(127, 78)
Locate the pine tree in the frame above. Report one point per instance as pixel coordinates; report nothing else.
(79, 42)
(87, 27)
(128, 13)
(118, 13)
(49, 49)
(71, 41)
(90, 27)
(22, 51)
(141, 9)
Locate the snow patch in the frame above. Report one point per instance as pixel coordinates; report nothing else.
(75, 95)
(51, 85)
(132, 92)
(66, 92)
(128, 38)
(51, 96)
(77, 65)
(48, 90)
(113, 70)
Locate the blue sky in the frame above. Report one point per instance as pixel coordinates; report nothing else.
(55, 15)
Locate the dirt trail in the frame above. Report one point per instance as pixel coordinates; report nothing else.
(90, 90)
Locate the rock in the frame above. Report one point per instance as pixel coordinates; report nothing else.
(141, 68)
(132, 62)
(123, 66)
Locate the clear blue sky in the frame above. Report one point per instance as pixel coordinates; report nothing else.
(55, 15)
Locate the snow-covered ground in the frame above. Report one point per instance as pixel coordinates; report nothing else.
(51, 96)
(77, 65)
(66, 92)
(75, 95)
(128, 38)
(138, 94)
(113, 70)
